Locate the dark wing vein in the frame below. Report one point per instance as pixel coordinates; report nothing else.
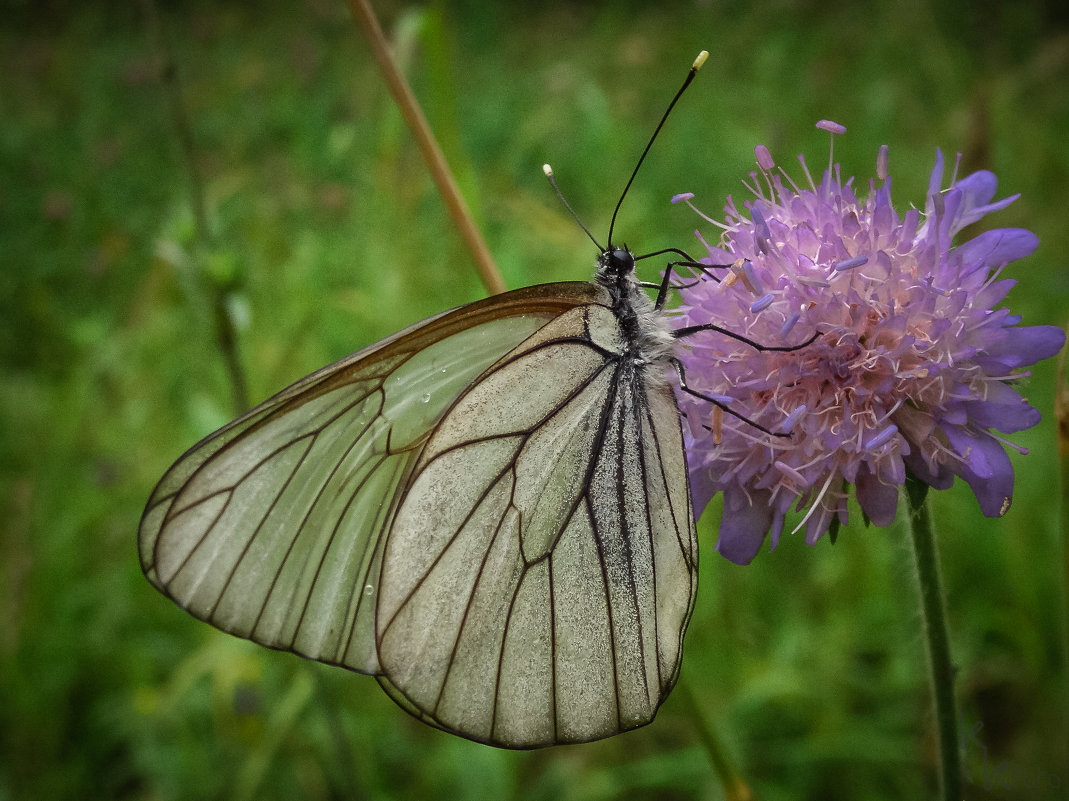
(612, 404)
(644, 424)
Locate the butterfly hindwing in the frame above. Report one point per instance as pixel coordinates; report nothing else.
(545, 600)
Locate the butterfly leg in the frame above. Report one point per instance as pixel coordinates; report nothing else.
(666, 283)
(681, 373)
(689, 330)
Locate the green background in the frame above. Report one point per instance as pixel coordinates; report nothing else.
(326, 234)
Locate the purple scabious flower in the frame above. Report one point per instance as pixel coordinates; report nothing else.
(911, 369)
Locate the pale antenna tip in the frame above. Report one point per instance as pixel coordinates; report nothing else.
(547, 170)
(704, 54)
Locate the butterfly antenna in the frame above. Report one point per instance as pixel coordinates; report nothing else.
(697, 65)
(553, 182)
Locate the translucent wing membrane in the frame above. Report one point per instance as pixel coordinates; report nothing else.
(272, 528)
(488, 510)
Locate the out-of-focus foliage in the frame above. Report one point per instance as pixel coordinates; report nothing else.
(326, 234)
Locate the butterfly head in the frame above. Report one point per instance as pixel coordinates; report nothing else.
(616, 267)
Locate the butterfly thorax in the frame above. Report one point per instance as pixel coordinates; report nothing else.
(647, 335)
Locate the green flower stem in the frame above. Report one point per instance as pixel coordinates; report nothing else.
(1061, 416)
(933, 611)
(734, 786)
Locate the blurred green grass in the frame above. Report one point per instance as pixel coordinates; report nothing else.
(328, 235)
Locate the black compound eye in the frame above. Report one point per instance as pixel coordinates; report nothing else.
(622, 260)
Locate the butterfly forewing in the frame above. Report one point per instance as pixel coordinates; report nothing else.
(272, 528)
(540, 571)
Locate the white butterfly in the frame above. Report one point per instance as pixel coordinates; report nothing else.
(488, 511)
